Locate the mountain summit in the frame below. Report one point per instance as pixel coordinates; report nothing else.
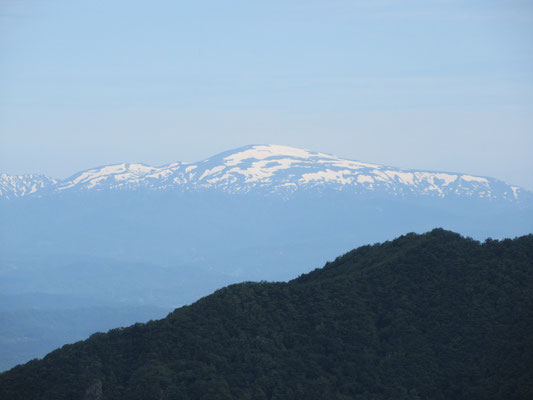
(268, 169)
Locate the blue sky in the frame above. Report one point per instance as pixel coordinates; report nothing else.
(439, 85)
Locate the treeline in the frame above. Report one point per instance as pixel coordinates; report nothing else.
(433, 316)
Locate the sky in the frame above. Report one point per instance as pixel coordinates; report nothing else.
(432, 84)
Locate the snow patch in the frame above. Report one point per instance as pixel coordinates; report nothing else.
(342, 163)
(329, 176)
(263, 152)
(365, 178)
(470, 178)
(211, 171)
(447, 178)
(160, 174)
(406, 178)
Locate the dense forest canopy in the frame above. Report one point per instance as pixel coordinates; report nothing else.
(433, 316)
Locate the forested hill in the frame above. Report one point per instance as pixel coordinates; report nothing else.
(433, 316)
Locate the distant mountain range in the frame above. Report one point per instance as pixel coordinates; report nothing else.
(267, 169)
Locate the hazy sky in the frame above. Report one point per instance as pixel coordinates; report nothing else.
(439, 85)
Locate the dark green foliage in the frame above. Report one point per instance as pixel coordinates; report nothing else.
(29, 333)
(432, 316)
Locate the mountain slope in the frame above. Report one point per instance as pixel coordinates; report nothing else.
(424, 316)
(13, 186)
(274, 170)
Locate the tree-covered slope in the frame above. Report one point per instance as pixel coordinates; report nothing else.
(432, 316)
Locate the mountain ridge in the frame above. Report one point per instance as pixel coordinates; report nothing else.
(435, 316)
(268, 169)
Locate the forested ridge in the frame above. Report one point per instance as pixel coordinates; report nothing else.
(432, 316)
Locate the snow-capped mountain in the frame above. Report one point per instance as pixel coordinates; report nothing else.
(13, 186)
(268, 169)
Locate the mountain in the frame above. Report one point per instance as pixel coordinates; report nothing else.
(13, 186)
(130, 235)
(432, 316)
(268, 169)
(219, 214)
